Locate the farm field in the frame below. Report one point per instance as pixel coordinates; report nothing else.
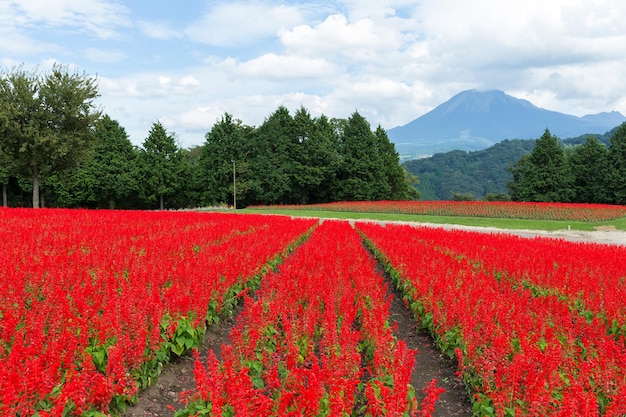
(504, 215)
(96, 302)
(508, 210)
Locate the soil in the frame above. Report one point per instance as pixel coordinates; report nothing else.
(163, 397)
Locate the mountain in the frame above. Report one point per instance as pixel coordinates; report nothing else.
(474, 120)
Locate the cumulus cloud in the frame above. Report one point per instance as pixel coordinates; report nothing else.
(285, 67)
(241, 22)
(149, 86)
(358, 40)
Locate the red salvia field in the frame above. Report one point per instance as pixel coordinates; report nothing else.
(509, 210)
(526, 318)
(93, 303)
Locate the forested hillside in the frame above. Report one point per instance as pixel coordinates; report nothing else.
(604, 139)
(476, 174)
(459, 173)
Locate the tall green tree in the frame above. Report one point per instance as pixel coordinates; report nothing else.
(544, 174)
(315, 158)
(396, 176)
(362, 173)
(194, 188)
(112, 169)
(271, 159)
(162, 166)
(322, 148)
(222, 156)
(589, 165)
(616, 178)
(47, 121)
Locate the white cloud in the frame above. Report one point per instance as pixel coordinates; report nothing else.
(99, 17)
(14, 43)
(241, 22)
(360, 40)
(271, 66)
(148, 86)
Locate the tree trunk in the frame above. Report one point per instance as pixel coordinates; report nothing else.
(35, 187)
(5, 201)
(161, 203)
(111, 203)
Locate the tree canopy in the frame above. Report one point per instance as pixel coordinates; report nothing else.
(113, 167)
(162, 167)
(46, 121)
(544, 174)
(588, 172)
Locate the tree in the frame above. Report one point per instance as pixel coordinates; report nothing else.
(315, 157)
(194, 188)
(113, 168)
(589, 165)
(224, 150)
(362, 174)
(542, 175)
(47, 121)
(616, 179)
(321, 145)
(5, 162)
(271, 159)
(395, 175)
(162, 166)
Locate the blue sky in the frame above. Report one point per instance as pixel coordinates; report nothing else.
(187, 63)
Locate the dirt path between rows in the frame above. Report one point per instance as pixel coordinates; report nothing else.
(163, 397)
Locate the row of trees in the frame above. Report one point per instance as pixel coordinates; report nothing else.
(301, 160)
(587, 173)
(53, 138)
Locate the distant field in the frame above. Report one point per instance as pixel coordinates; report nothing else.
(530, 216)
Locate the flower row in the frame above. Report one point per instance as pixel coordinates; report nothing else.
(522, 351)
(314, 340)
(93, 303)
(588, 277)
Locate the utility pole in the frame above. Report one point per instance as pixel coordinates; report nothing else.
(234, 187)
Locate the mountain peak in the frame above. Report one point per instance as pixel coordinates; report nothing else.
(480, 101)
(477, 119)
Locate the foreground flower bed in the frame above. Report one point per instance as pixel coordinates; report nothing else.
(93, 303)
(315, 341)
(509, 210)
(526, 343)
